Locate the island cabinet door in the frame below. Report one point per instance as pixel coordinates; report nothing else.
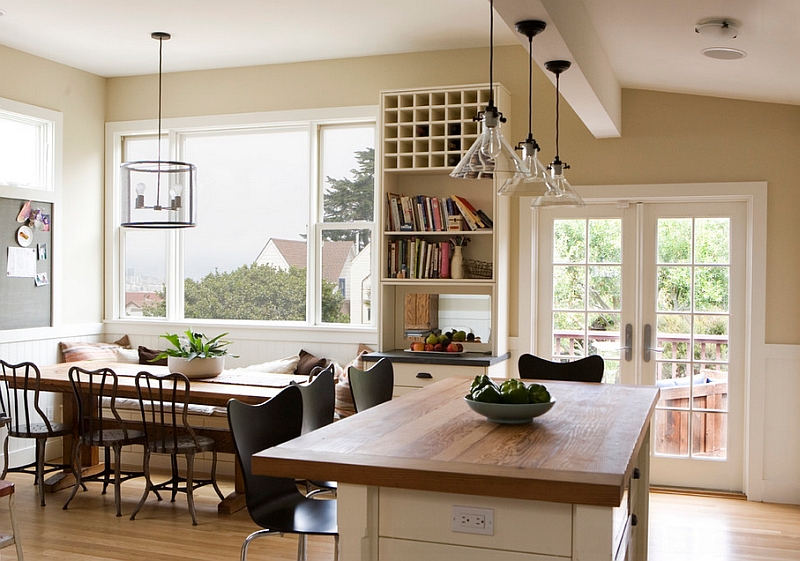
(421, 525)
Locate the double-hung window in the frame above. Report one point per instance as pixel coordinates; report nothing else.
(286, 217)
(28, 142)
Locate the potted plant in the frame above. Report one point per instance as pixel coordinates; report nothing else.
(194, 354)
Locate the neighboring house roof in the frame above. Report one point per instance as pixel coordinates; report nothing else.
(139, 299)
(335, 256)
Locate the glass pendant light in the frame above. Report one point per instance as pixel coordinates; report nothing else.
(532, 183)
(158, 193)
(490, 152)
(559, 192)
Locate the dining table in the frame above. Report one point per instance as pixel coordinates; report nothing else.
(247, 386)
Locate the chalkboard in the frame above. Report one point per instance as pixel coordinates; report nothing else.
(25, 301)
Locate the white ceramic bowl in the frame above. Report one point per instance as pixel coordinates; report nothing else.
(510, 413)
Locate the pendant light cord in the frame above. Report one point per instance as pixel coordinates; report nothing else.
(530, 86)
(491, 53)
(158, 140)
(558, 96)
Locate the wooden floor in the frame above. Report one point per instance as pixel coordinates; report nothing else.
(683, 528)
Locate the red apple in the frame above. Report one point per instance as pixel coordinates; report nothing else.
(428, 347)
(438, 347)
(452, 348)
(460, 347)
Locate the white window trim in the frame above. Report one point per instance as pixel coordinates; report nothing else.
(116, 131)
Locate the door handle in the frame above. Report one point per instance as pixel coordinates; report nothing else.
(647, 349)
(628, 340)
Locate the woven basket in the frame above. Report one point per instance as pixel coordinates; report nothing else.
(478, 269)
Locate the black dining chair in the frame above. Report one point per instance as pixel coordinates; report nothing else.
(275, 503)
(373, 386)
(101, 426)
(586, 369)
(24, 418)
(164, 404)
(319, 403)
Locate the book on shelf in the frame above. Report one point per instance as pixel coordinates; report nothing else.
(471, 215)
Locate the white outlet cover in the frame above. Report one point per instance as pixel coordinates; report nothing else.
(473, 520)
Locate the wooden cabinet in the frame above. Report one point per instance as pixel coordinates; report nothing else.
(424, 133)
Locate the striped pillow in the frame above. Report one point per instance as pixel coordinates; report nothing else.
(73, 351)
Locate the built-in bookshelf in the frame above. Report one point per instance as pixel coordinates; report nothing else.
(426, 212)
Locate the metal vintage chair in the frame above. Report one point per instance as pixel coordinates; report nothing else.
(373, 386)
(164, 404)
(102, 427)
(275, 503)
(19, 402)
(586, 369)
(319, 402)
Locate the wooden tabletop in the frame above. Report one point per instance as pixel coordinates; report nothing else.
(55, 378)
(582, 451)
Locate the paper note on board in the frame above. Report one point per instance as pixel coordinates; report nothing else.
(21, 262)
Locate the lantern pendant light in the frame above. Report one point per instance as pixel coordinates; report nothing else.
(559, 192)
(159, 193)
(531, 183)
(491, 152)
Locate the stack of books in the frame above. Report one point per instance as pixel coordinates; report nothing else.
(421, 213)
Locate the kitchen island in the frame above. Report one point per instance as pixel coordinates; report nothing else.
(420, 474)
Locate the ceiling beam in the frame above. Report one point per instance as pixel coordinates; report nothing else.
(590, 87)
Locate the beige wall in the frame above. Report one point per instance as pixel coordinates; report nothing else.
(667, 138)
(80, 97)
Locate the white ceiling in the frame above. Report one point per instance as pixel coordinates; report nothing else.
(613, 44)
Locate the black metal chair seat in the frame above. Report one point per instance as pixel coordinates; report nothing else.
(182, 445)
(35, 430)
(295, 514)
(109, 437)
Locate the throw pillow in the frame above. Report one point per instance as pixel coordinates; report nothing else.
(344, 406)
(307, 363)
(146, 355)
(286, 365)
(73, 351)
(127, 355)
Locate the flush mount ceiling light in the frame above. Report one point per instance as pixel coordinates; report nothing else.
(532, 183)
(559, 192)
(491, 152)
(158, 193)
(720, 30)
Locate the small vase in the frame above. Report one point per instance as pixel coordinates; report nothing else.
(457, 263)
(197, 367)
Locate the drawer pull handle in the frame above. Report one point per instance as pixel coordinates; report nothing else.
(634, 520)
(636, 473)
(425, 375)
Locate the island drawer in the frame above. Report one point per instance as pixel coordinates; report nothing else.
(415, 375)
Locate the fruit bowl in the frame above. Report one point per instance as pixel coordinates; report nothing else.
(510, 413)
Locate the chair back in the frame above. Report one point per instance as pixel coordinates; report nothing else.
(319, 400)
(164, 404)
(587, 369)
(88, 388)
(257, 427)
(373, 386)
(19, 397)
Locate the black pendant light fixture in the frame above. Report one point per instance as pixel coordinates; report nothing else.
(559, 192)
(530, 183)
(159, 193)
(490, 152)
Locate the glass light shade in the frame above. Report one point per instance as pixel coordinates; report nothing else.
(531, 183)
(559, 191)
(158, 194)
(490, 153)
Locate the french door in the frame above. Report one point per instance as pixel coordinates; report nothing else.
(658, 290)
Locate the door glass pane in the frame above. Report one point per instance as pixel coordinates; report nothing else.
(587, 290)
(692, 369)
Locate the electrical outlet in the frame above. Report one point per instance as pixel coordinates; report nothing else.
(48, 411)
(472, 520)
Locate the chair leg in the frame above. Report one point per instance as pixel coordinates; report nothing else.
(77, 472)
(5, 457)
(14, 528)
(190, 486)
(148, 484)
(40, 451)
(214, 475)
(336, 547)
(251, 537)
(117, 475)
(302, 543)
(175, 476)
(106, 472)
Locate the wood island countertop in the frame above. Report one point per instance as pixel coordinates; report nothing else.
(582, 451)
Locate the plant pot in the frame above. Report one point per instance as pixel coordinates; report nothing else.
(197, 367)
